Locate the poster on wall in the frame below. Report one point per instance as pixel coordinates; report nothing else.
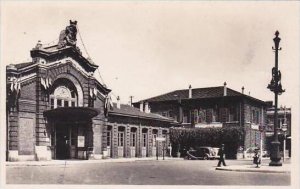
(80, 141)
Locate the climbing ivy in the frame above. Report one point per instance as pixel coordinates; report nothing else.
(183, 139)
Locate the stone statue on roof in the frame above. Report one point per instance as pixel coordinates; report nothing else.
(67, 37)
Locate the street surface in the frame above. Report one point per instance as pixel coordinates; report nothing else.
(168, 172)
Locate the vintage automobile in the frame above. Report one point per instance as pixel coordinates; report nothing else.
(202, 152)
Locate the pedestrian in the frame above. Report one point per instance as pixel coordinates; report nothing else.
(170, 150)
(221, 154)
(256, 158)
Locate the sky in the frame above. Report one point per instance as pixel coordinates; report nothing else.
(149, 48)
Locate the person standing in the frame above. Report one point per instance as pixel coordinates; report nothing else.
(221, 154)
(256, 158)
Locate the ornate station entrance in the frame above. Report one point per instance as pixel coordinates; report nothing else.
(71, 136)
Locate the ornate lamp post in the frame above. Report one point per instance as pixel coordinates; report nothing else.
(275, 86)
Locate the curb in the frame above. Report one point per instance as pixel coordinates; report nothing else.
(252, 170)
(63, 163)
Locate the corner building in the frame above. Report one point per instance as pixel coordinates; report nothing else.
(56, 109)
(214, 107)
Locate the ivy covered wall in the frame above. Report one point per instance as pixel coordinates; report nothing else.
(182, 139)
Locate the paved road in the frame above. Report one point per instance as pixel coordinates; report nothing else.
(184, 172)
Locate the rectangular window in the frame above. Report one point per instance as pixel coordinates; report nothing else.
(66, 103)
(59, 103)
(52, 103)
(202, 116)
(232, 114)
(73, 104)
(253, 116)
(196, 116)
(154, 139)
(120, 139)
(144, 139)
(132, 139)
(257, 117)
(108, 138)
(209, 115)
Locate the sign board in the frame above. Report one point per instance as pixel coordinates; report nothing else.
(211, 125)
(255, 127)
(80, 141)
(160, 139)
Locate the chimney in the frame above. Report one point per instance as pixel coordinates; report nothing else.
(243, 89)
(141, 106)
(118, 102)
(147, 109)
(225, 89)
(249, 93)
(190, 91)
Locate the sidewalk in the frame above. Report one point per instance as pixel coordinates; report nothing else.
(74, 162)
(264, 168)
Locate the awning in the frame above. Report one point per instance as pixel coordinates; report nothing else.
(71, 113)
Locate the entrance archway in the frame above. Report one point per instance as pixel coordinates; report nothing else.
(71, 137)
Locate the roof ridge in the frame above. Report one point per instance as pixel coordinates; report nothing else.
(201, 88)
(156, 96)
(136, 112)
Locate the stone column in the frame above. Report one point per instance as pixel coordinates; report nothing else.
(159, 143)
(104, 139)
(114, 146)
(97, 139)
(127, 140)
(41, 151)
(139, 141)
(150, 141)
(13, 136)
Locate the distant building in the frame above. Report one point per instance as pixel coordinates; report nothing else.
(284, 120)
(56, 109)
(212, 107)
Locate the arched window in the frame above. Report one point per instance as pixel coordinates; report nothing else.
(64, 94)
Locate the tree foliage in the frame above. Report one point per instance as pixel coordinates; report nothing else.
(183, 139)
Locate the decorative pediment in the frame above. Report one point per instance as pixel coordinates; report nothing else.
(66, 47)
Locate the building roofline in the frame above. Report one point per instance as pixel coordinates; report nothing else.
(239, 94)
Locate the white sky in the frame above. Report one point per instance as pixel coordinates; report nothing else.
(147, 48)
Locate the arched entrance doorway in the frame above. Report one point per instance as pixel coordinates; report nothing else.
(70, 125)
(71, 136)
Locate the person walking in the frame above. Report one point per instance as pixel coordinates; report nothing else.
(221, 154)
(256, 158)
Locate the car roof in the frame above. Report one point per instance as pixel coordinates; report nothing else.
(204, 147)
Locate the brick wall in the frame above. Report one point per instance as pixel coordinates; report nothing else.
(252, 136)
(13, 130)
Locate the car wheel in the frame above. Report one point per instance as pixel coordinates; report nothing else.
(205, 157)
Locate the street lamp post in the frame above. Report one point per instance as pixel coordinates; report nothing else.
(275, 86)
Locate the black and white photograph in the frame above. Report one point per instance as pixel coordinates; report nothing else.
(149, 94)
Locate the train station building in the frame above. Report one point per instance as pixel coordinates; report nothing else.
(56, 109)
